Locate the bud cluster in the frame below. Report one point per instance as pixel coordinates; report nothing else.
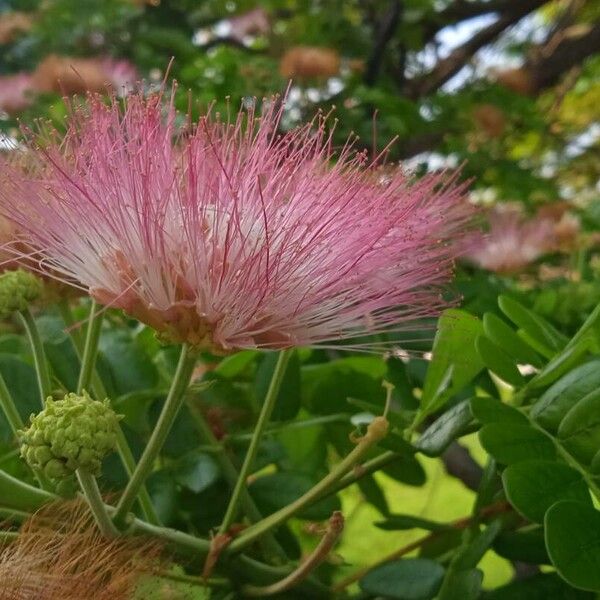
(69, 434)
(17, 289)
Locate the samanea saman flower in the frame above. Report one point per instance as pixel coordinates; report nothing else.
(232, 235)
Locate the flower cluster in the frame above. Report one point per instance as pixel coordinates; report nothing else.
(231, 235)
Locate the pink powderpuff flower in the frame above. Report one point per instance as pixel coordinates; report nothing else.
(231, 235)
(512, 243)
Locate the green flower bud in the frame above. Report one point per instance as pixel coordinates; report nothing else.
(17, 290)
(69, 434)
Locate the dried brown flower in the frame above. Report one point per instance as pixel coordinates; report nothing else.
(60, 555)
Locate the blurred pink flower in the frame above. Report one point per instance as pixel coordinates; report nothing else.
(253, 22)
(15, 92)
(72, 75)
(512, 243)
(121, 74)
(232, 235)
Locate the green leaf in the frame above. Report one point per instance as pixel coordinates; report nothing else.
(129, 367)
(524, 546)
(462, 585)
(579, 431)
(403, 522)
(373, 494)
(515, 443)
(326, 387)
(445, 429)
(570, 357)
(557, 400)
(407, 469)
(289, 397)
(497, 361)
(20, 496)
(455, 361)
(544, 586)
(533, 486)
(537, 327)
(163, 491)
(573, 542)
(469, 557)
(234, 365)
(505, 337)
(489, 410)
(276, 490)
(408, 579)
(195, 471)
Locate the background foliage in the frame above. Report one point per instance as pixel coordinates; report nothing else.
(485, 485)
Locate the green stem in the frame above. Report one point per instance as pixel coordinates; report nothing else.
(271, 545)
(263, 419)
(377, 430)
(89, 486)
(286, 426)
(181, 380)
(88, 353)
(7, 537)
(39, 357)
(10, 410)
(90, 349)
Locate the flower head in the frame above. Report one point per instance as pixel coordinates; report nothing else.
(230, 235)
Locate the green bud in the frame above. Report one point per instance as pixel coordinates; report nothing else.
(17, 290)
(69, 434)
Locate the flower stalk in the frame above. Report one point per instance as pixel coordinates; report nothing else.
(263, 419)
(90, 349)
(88, 377)
(173, 403)
(39, 356)
(376, 431)
(90, 489)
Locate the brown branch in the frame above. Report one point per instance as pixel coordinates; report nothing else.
(460, 464)
(448, 67)
(385, 32)
(319, 554)
(461, 10)
(487, 512)
(570, 50)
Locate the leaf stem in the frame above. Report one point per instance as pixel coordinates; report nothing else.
(376, 431)
(89, 486)
(181, 380)
(263, 419)
(39, 357)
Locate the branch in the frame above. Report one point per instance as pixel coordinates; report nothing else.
(319, 554)
(385, 32)
(565, 53)
(461, 10)
(491, 511)
(460, 464)
(448, 67)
